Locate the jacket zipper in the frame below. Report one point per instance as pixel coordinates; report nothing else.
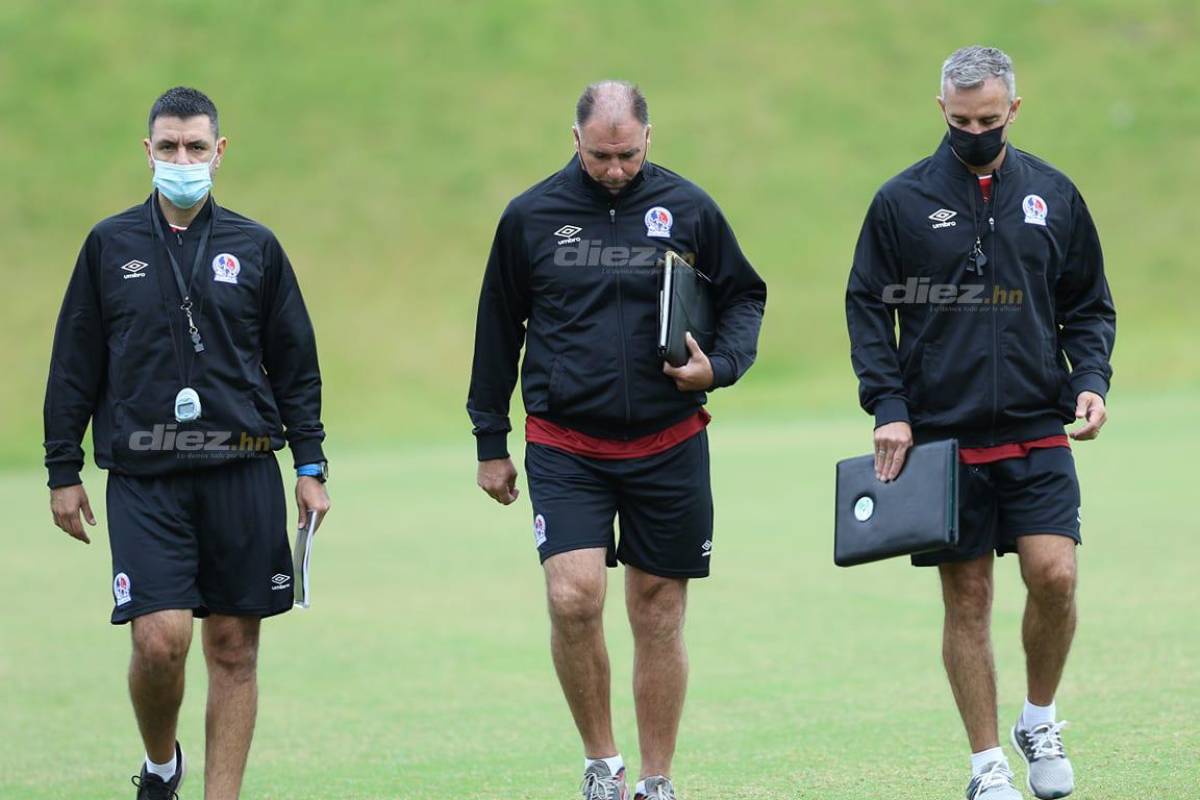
(612, 219)
(989, 209)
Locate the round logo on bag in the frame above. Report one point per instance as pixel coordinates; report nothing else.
(864, 508)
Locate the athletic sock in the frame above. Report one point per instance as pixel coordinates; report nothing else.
(640, 788)
(984, 758)
(165, 771)
(615, 764)
(1033, 715)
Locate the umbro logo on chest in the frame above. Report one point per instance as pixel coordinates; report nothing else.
(134, 269)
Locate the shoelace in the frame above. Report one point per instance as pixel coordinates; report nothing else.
(595, 787)
(165, 794)
(997, 776)
(1045, 741)
(663, 791)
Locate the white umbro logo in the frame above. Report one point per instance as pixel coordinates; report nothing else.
(279, 579)
(567, 234)
(134, 268)
(944, 218)
(706, 548)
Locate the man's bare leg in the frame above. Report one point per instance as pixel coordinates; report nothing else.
(156, 676)
(231, 652)
(1049, 569)
(967, 647)
(576, 583)
(656, 608)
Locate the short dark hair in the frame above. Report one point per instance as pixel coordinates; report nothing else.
(587, 101)
(184, 102)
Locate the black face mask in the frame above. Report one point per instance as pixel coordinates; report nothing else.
(977, 149)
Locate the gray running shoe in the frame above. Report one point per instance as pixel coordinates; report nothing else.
(600, 784)
(657, 788)
(994, 783)
(1050, 771)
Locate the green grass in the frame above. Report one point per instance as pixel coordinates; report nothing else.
(423, 670)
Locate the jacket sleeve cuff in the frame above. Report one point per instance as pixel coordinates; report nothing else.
(306, 451)
(723, 371)
(491, 446)
(63, 475)
(891, 409)
(1089, 382)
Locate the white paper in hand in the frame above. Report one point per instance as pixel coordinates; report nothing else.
(301, 558)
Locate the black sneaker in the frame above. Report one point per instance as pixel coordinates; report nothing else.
(152, 787)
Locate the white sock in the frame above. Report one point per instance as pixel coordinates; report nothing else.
(1033, 715)
(985, 757)
(165, 771)
(615, 764)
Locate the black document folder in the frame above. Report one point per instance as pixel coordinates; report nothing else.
(684, 305)
(916, 513)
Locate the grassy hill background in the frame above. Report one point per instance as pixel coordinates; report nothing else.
(381, 140)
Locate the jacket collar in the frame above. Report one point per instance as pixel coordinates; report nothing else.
(945, 158)
(195, 225)
(577, 176)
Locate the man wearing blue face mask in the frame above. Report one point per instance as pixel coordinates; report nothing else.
(183, 339)
(988, 261)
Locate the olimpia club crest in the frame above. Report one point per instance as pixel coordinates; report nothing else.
(659, 222)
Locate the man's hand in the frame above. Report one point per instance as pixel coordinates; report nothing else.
(694, 376)
(892, 443)
(498, 477)
(311, 496)
(65, 504)
(1089, 406)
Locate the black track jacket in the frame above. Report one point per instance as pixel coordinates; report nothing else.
(572, 275)
(986, 358)
(122, 341)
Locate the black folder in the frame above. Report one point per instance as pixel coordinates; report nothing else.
(916, 513)
(684, 305)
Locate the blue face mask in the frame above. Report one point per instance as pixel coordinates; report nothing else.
(183, 185)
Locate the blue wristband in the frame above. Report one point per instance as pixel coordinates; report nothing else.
(308, 470)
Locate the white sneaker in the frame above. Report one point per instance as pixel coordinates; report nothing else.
(1050, 772)
(994, 783)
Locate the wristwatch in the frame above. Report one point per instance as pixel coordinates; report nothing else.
(318, 470)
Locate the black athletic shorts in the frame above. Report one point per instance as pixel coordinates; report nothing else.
(212, 540)
(1000, 502)
(663, 502)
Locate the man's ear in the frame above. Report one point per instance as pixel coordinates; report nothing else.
(575, 134)
(149, 154)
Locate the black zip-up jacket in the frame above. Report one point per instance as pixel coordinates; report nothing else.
(121, 341)
(993, 354)
(572, 275)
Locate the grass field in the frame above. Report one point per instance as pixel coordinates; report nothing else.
(423, 670)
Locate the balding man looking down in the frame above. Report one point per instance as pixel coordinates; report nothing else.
(612, 431)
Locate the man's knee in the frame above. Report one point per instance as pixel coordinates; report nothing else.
(160, 647)
(656, 607)
(232, 649)
(1052, 581)
(967, 591)
(575, 601)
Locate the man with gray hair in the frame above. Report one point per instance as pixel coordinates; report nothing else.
(611, 430)
(988, 260)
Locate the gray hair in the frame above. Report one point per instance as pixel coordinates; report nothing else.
(613, 98)
(969, 67)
